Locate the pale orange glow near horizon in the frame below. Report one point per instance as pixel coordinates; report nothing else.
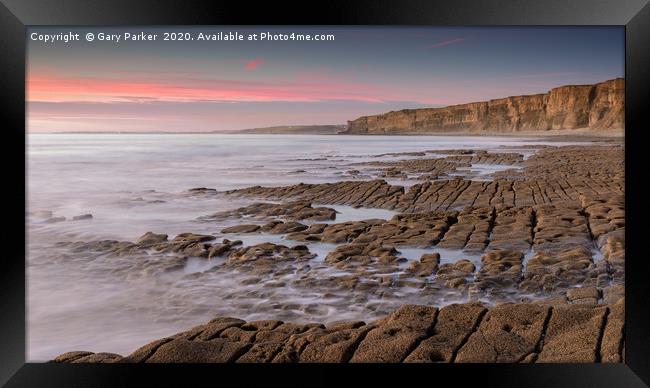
(63, 89)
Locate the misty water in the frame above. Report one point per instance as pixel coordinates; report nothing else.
(133, 183)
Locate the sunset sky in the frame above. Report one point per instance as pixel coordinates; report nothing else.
(207, 86)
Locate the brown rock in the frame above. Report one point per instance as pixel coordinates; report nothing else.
(507, 333)
(268, 343)
(279, 227)
(455, 275)
(144, 352)
(225, 247)
(611, 346)
(396, 337)
(453, 326)
(268, 254)
(71, 356)
(98, 358)
(184, 351)
(246, 228)
(613, 293)
(588, 295)
(296, 210)
(572, 334)
(192, 237)
(296, 343)
(335, 346)
(427, 265)
(151, 238)
(216, 326)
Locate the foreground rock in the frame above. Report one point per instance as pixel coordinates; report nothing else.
(461, 333)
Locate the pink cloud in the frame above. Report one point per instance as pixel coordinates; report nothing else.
(447, 42)
(61, 88)
(254, 64)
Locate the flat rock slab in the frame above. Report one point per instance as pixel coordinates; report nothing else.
(455, 323)
(508, 333)
(185, 351)
(244, 228)
(269, 343)
(71, 356)
(216, 326)
(397, 336)
(98, 358)
(143, 353)
(298, 210)
(375, 193)
(612, 343)
(334, 347)
(573, 334)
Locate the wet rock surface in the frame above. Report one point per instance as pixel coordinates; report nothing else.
(552, 175)
(418, 230)
(556, 234)
(293, 211)
(460, 333)
(443, 166)
(560, 215)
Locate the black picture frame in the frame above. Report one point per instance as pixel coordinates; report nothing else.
(17, 15)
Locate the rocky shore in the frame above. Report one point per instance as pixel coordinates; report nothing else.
(524, 264)
(460, 333)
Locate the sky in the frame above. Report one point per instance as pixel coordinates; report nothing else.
(204, 86)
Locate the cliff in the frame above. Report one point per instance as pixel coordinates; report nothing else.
(598, 107)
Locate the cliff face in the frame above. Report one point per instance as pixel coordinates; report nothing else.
(597, 107)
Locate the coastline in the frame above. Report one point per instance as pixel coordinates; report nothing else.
(547, 229)
(550, 135)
